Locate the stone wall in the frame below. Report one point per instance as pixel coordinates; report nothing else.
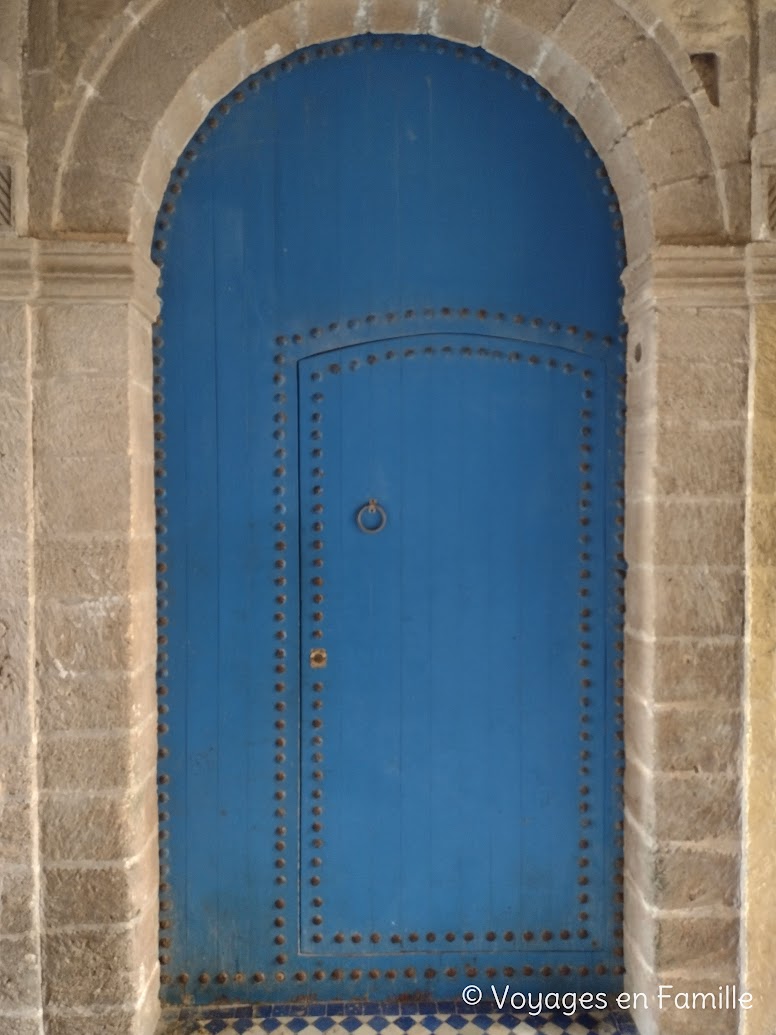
(96, 103)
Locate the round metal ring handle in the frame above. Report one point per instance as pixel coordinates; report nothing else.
(372, 507)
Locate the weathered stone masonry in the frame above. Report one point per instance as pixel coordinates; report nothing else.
(96, 103)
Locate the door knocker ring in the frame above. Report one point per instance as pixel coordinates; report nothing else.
(372, 507)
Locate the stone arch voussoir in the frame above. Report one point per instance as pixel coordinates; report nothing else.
(178, 59)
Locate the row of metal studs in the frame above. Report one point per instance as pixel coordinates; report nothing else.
(617, 661)
(430, 312)
(373, 974)
(512, 356)
(585, 613)
(280, 636)
(317, 584)
(468, 936)
(160, 243)
(162, 602)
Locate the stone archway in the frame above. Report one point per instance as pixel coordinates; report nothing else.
(684, 591)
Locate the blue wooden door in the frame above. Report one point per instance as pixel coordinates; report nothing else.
(389, 460)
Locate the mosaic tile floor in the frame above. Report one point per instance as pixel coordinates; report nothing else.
(390, 1019)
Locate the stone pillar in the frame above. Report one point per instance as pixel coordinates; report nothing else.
(759, 884)
(84, 463)
(685, 463)
(20, 993)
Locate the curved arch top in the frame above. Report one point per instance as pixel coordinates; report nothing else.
(427, 214)
(124, 137)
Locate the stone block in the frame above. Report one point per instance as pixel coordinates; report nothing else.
(642, 384)
(698, 531)
(640, 600)
(81, 339)
(114, 147)
(625, 172)
(72, 568)
(762, 588)
(640, 922)
(327, 21)
(699, 671)
(19, 974)
(16, 710)
(639, 795)
(542, 16)
(567, 81)
(270, 38)
(110, 1020)
(81, 416)
(708, 335)
(76, 35)
(687, 211)
(517, 44)
(14, 561)
(700, 601)
(640, 858)
(596, 32)
(640, 464)
(17, 769)
(763, 457)
(96, 201)
(144, 77)
(104, 895)
(694, 391)
(143, 630)
(697, 739)
(88, 968)
(761, 800)
(696, 877)
(700, 460)
(17, 902)
(95, 700)
(189, 40)
(462, 23)
(639, 730)
(394, 16)
(242, 13)
(639, 665)
(15, 480)
(21, 1024)
(227, 66)
(765, 384)
(79, 827)
(641, 82)
(639, 233)
(14, 338)
(693, 807)
(83, 495)
(598, 117)
(640, 541)
(142, 497)
(737, 187)
(90, 635)
(118, 761)
(168, 139)
(762, 531)
(671, 145)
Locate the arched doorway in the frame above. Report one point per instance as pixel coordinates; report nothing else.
(390, 458)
